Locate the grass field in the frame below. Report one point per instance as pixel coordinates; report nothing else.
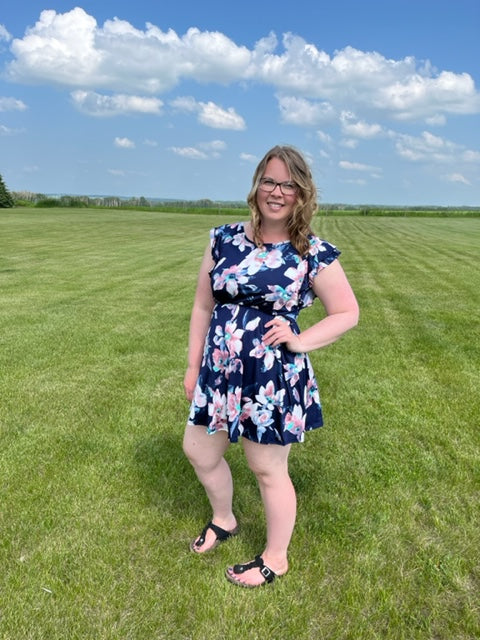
(98, 504)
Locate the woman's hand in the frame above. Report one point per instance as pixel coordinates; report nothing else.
(189, 382)
(280, 332)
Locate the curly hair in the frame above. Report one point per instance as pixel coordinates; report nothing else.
(298, 224)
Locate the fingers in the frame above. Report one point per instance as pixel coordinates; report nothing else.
(278, 332)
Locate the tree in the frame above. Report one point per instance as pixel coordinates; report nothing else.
(6, 199)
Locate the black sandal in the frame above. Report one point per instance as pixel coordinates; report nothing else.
(222, 535)
(267, 573)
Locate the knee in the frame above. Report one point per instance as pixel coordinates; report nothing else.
(201, 450)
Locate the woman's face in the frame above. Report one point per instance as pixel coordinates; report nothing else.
(275, 205)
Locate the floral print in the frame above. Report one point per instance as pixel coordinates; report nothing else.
(267, 394)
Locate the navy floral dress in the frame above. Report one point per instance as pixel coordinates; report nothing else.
(266, 394)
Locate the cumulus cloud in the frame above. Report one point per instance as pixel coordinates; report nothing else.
(202, 151)
(303, 112)
(124, 143)
(358, 128)
(7, 131)
(248, 157)
(435, 150)
(4, 35)
(324, 137)
(426, 147)
(210, 114)
(189, 152)
(457, 177)
(357, 166)
(72, 50)
(95, 104)
(214, 147)
(12, 104)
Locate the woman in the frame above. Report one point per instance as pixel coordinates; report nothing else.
(248, 371)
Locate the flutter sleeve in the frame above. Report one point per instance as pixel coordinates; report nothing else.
(216, 235)
(320, 255)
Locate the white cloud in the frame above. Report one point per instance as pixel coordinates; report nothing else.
(7, 131)
(303, 112)
(116, 172)
(457, 177)
(214, 147)
(210, 114)
(72, 50)
(150, 143)
(12, 104)
(249, 157)
(124, 143)
(349, 143)
(189, 152)
(202, 151)
(428, 147)
(95, 104)
(324, 137)
(4, 35)
(358, 128)
(437, 120)
(470, 156)
(357, 166)
(214, 116)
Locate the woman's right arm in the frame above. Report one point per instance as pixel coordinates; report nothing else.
(199, 323)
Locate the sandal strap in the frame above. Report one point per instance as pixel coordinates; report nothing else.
(222, 534)
(266, 572)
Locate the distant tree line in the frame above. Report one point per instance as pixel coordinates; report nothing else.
(28, 198)
(6, 198)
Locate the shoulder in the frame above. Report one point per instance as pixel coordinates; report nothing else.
(232, 232)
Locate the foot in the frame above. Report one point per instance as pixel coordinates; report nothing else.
(255, 573)
(211, 536)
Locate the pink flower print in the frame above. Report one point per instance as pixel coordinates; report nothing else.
(311, 393)
(217, 409)
(291, 373)
(282, 297)
(259, 259)
(199, 398)
(292, 370)
(268, 397)
(233, 403)
(248, 409)
(295, 421)
(229, 279)
(233, 338)
(260, 351)
(274, 259)
(240, 240)
(262, 418)
(220, 359)
(297, 274)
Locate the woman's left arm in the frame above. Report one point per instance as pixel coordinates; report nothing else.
(335, 293)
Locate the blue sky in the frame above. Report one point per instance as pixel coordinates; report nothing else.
(181, 99)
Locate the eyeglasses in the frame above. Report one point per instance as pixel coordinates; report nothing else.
(269, 185)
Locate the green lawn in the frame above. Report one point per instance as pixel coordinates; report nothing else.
(98, 504)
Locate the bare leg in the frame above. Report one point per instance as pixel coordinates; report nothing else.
(270, 465)
(206, 454)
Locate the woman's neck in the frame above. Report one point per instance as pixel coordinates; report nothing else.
(271, 233)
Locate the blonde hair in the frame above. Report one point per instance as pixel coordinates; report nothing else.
(298, 224)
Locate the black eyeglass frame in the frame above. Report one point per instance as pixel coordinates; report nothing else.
(291, 185)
